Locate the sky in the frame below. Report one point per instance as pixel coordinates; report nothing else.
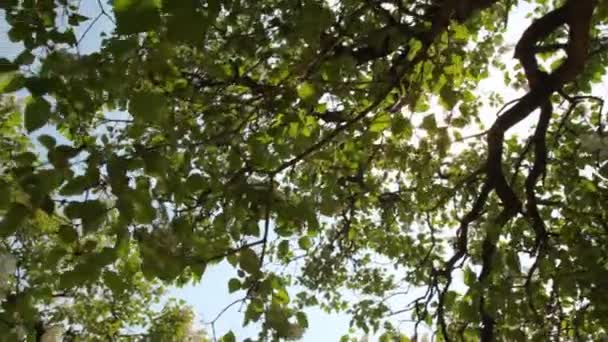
(210, 296)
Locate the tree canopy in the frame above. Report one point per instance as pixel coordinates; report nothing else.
(338, 154)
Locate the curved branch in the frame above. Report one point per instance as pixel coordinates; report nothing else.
(578, 17)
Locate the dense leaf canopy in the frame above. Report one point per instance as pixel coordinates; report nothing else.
(338, 154)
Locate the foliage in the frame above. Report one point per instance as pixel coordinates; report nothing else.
(174, 324)
(56, 281)
(325, 137)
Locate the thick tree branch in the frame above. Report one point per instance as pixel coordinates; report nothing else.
(538, 169)
(578, 17)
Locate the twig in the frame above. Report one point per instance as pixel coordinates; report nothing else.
(267, 220)
(219, 315)
(88, 29)
(103, 11)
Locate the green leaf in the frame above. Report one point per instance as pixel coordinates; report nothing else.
(7, 66)
(75, 19)
(469, 276)
(234, 285)
(461, 33)
(277, 317)
(37, 113)
(76, 277)
(5, 190)
(449, 97)
(282, 296)
(47, 141)
(106, 257)
(229, 337)
(429, 123)
(186, 21)
(60, 156)
(67, 234)
(141, 202)
(254, 311)
(134, 16)
(302, 319)
(117, 169)
(154, 163)
(401, 126)
(38, 86)
(213, 9)
(115, 282)
(147, 106)
(25, 158)
(381, 122)
(10, 82)
(307, 92)
(198, 270)
(313, 20)
(196, 182)
(249, 261)
(304, 242)
(92, 213)
(13, 219)
(77, 185)
(421, 106)
(283, 249)
(293, 130)
(415, 46)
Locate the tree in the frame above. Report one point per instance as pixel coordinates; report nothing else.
(54, 281)
(174, 323)
(331, 136)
